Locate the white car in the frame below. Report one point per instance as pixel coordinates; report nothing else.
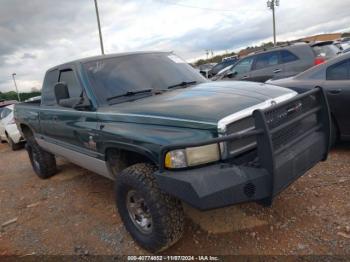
(8, 128)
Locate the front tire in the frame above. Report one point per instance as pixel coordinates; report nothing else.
(43, 163)
(153, 218)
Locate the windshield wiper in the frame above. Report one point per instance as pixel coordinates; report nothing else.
(130, 93)
(183, 84)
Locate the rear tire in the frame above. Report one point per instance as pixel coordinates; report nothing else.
(43, 163)
(153, 218)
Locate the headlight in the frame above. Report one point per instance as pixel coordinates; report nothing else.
(192, 156)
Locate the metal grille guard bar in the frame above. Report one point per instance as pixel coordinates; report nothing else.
(266, 152)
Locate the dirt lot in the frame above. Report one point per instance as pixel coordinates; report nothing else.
(74, 213)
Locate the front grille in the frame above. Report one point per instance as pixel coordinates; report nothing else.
(239, 146)
(278, 116)
(275, 117)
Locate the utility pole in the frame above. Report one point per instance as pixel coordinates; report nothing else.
(99, 28)
(272, 4)
(14, 80)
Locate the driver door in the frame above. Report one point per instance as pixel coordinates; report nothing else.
(337, 87)
(68, 127)
(266, 66)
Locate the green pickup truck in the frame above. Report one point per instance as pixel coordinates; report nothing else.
(166, 135)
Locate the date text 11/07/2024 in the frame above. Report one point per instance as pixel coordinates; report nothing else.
(173, 258)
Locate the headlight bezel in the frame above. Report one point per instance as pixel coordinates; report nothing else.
(192, 156)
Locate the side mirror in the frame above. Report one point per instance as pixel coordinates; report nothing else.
(70, 102)
(78, 103)
(61, 92)
(63, 99)
(83, 105)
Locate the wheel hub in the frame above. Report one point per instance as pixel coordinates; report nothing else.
(139, 212)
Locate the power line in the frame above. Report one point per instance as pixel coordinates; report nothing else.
(195, 7)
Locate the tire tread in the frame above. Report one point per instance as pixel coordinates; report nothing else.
(167, 210)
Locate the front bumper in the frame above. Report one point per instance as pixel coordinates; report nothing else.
(280, 164)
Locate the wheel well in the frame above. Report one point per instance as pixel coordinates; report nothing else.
(26, 131)
(119, 159)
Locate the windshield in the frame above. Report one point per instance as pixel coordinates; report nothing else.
(117, 76)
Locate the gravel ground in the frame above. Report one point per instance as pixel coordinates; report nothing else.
(73, 213)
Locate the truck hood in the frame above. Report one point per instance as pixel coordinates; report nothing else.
(200, 106)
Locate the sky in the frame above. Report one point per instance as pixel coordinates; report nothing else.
(38, 34)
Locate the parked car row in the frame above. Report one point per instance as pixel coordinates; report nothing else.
(302, 67)
(279, 62)
(334, 77)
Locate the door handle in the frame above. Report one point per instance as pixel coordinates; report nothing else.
(335, 91)
(54, 118)
(244, 77)
(277, 70)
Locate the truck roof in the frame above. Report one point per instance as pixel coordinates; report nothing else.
(99, 57)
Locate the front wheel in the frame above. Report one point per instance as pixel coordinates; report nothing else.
(153, 218)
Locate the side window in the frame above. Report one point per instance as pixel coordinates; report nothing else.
(287, 56)
(266, 60)
(338, 71)
(74, 88)
(243, 66)
(48, 95)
